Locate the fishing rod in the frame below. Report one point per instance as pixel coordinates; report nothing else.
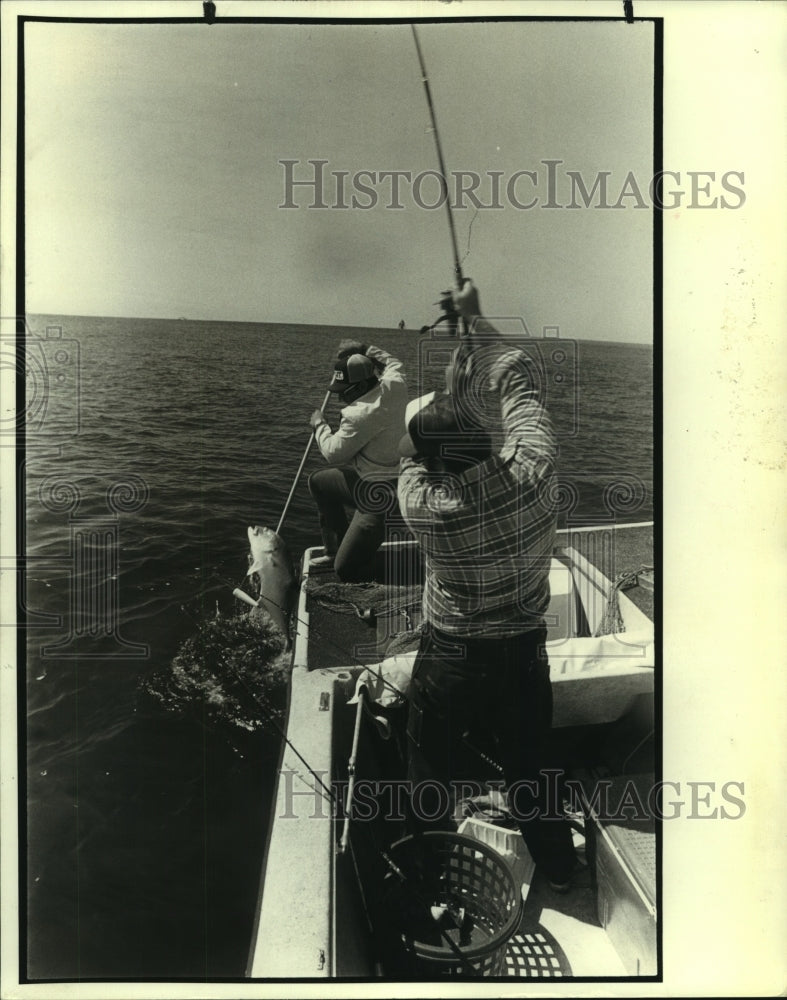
(458, 278)
(300, 468)
(351, 771)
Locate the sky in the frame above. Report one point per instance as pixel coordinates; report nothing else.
(154, 180)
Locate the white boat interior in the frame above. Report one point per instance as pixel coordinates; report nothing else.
(315, 914)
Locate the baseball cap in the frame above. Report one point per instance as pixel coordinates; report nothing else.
(435, 428)
(347, 371)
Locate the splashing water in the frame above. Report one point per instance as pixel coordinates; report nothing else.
(233, 671)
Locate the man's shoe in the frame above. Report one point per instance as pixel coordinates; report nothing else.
(580, 869)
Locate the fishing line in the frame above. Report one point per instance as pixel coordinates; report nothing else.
(329, 795)
(353, 661)
(469, 234)
(332, 798)
(263, 701)
(337, 647)
(328, 792)
(386, 684)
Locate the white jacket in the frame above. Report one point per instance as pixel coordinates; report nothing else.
(367, 439)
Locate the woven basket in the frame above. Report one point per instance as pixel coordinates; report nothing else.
(451, 904)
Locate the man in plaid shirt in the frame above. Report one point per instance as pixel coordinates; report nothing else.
(485, 521)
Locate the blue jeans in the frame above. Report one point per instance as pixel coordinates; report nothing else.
(467, 694)
(353, 543)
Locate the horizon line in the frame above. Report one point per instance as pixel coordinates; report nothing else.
(343, 326)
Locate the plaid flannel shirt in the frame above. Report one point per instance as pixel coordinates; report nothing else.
(488, 533)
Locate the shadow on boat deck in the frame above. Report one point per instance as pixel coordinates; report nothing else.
(560, 935)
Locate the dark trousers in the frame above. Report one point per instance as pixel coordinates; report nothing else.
(470, 694)
(352, 543)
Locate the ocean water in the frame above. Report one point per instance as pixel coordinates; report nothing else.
(151, 446)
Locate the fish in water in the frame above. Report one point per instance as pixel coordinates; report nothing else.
(271, 561)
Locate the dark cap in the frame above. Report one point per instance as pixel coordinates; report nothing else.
(350, 370)
(435, 428)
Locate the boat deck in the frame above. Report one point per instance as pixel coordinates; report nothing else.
(605, 926)
(337, 637)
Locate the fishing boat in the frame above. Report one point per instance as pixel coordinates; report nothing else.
(320, 898)
(345, 892)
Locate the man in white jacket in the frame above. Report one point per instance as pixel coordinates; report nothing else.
(362, 455)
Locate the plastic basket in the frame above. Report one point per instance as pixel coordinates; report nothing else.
(451, 904)
(507, 842)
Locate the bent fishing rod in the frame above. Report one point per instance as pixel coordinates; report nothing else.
(459, 280)
(458, 276)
